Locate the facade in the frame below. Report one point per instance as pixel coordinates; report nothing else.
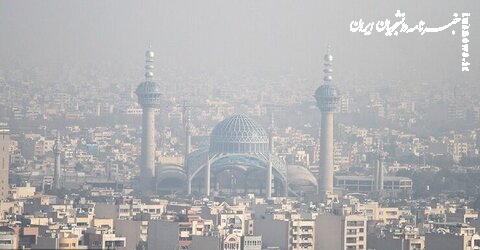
(250, 242)
(232, 242)
(130, 210)
(22, 192)
(104, 239)
(375, 212)
(69, 241)
(4, 160)
(237, 242)
(445, 236)
(348, 232)
(302, 234)
(366, 184)
(163, 235)
(395, 241)
(441, 241)
(8, 238)
(135, 231)
(275, 233)
(462, 215)
(205, 242)
(176, 234)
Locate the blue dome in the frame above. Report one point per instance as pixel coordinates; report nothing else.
(238, 134)
(149, 94)
(327, 97)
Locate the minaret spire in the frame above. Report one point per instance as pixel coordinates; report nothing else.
(149, 59)
(328, 66)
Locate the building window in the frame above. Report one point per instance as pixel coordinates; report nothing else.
(476, 243)
(351, 240)
(5, 242)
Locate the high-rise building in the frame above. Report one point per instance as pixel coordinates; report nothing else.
(327, 98)
(4, 160)
(148, 93)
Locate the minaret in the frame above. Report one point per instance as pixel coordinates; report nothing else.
(148, 93)
(327, 98)
(188, 133)
(57, 175)
(379, 169)
(4, 159)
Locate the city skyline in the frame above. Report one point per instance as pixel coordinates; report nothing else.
(249, 125)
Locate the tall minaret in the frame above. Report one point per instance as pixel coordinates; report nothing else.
(188, 133)
(327, 98)
(57, 175)
(4, 159)
(379, 169)
(149, 94)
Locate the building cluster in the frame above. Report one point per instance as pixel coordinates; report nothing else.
(102, 169)
(105, 221)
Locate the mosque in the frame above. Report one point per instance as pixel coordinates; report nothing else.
(241, 157)
(239, 160)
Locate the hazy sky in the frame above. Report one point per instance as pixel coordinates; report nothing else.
(242, 35)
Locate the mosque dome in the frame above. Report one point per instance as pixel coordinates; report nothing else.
(238, 134)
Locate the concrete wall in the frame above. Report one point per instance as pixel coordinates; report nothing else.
(275, 233)
(376, 243)
(162, 235)
(205, 242)
(129, 229)
(46, 243)
(435, 241)
(328, 232)
(103, 210)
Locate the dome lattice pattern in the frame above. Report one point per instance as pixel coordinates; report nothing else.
(149, 94)
(238, 134)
